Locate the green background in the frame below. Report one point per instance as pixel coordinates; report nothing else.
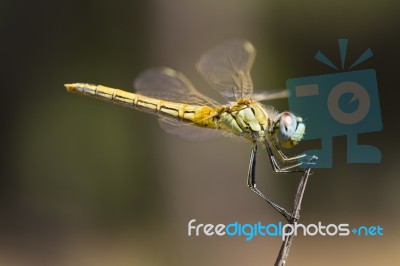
(84, 182)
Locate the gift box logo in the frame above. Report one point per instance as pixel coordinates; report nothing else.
(343, 103)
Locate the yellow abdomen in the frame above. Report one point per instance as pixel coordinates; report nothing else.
(199, 115)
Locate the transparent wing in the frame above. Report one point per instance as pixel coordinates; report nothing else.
(188, 131)
(227, 68)
(266, 96)
(170, 85)
(167, 84)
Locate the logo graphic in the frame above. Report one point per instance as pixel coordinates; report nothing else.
(339, 104)
(251, 230)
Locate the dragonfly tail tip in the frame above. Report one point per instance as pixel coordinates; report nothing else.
(70, 87)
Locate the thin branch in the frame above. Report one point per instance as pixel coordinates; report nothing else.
(284, 251)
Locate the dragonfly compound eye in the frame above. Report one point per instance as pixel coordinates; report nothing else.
(287, 125)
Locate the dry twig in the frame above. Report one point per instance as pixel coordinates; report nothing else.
(284, 251)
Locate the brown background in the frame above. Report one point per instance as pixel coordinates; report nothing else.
(88, 183)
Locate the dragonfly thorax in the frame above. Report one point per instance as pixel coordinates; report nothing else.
(245, 119)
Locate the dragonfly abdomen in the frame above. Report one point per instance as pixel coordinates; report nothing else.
(199, 115)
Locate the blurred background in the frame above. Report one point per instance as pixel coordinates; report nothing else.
(85, 182)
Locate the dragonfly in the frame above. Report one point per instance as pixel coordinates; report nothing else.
(184, 111)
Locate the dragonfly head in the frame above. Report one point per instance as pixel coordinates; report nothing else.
(289, 129)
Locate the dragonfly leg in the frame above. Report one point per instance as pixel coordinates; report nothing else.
(279, 169)
(251, 183)
(283, 158)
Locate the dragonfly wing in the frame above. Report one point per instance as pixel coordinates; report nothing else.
(266, 96)
(170, 85)
(188, 131)
(227, 68)
(167, 84)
